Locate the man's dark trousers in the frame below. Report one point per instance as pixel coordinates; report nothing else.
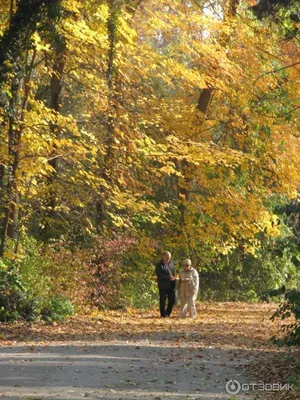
(166, 287)
(165, 294)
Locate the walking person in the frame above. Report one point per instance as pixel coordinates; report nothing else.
(188, 289)
(165, 272)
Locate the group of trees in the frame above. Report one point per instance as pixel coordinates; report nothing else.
(152, 125)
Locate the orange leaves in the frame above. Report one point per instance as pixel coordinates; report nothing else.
(166, 54)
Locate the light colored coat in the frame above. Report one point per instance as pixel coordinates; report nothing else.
(188, 288)
(188, 291)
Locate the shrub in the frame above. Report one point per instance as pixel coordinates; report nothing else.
(290, 309)
(25, 297)
(59, 307)
(12, 292)
(32, 265)
(15, 299)
(138, 284)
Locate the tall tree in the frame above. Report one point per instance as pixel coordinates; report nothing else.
(15, 45)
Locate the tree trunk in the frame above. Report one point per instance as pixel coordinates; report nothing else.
(16, 39)
(56, 86)
(101, 210)
(111, 80)
(11, 217)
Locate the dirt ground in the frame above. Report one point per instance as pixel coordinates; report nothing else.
(134, 355)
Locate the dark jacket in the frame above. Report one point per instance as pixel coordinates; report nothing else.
(163, 275)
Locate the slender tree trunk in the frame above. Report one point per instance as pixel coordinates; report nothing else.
(16, 39)
(11, 11)
(56, 87)
(15, 134)
(2, 166)
(13, 228)
(113, 101)
(11, 217)
(23, 23)
(2, 173)
(114, 10)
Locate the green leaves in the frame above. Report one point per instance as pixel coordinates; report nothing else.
(289, 309)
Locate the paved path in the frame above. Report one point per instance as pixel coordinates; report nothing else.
(132, 355)
(119, 369)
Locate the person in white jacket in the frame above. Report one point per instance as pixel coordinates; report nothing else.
(188, 289)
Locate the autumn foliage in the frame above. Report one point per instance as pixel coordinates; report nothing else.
(128, 127)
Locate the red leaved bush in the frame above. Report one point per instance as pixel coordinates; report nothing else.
(88, 276)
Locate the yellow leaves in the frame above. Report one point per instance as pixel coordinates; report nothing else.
(228, 247)
(10, 252)
(10, 255)
(125, 29)
(206, 153)
(252, 246)
(38, 43)
(189, 76)
(102, 12)
(7, 63)
(155, 219)
(117, 220)
(130, 205)
(166, 54)
(269, 223)
(169, 169)
(73, 6)
(84, 35)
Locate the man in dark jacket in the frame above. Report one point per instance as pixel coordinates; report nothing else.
(165, 273)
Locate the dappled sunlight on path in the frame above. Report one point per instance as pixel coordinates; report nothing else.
(127, 355)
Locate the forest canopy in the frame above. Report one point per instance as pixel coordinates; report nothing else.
(128, 127)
